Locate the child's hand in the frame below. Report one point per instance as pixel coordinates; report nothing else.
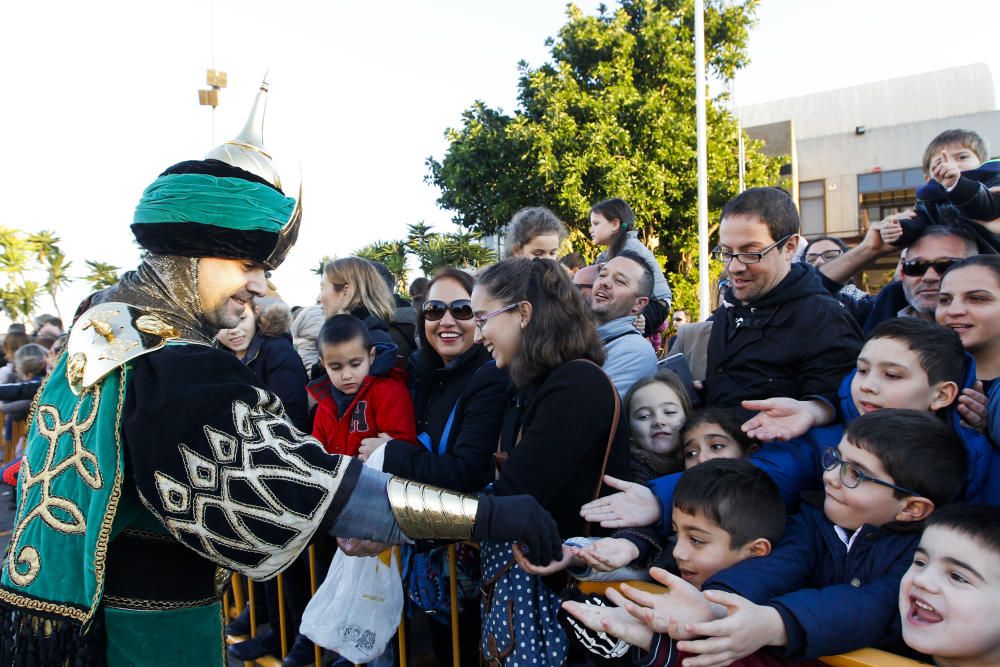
(946, 172)
(671, 612)
(747, 628)
(360, 548)
(785, 418)
(635, 506)
(568, 559)
(611, 620)
(369, 445)
(890, 230)
(639, 323)
(607, 554)
(973, 407)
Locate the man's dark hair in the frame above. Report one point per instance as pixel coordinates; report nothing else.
(919, 451)
(344, 328)
(645, 285)
(980, 523)
(735, 494)
(941, 231)
(938, 348)
(772, 205)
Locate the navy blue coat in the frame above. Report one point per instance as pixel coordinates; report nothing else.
(831, 600)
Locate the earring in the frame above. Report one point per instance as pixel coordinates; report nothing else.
(522, 325)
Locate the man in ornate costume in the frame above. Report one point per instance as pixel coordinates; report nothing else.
(157, 464)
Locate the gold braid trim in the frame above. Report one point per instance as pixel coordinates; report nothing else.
(138, 604)
(430, 512)
(20, 601)
(103, 537)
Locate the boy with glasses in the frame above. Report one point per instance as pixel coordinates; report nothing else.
(831, 584)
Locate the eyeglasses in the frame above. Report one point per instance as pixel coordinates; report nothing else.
(460, 309)
(918, 267)
(481, 320)
(827, 255)
(747, 257)
(851, 475)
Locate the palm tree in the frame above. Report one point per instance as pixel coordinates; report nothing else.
(43, 244)
(101, 274)
(465, 249)
(20, 300)
(418, 237)
(57, 268)
(322, 265)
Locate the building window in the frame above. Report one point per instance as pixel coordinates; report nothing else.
(812, 207)
(883, 193)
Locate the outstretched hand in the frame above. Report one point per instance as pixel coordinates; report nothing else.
(747, 628)
(635, 506)
(607, 554)
(566, 560)
(614, 621)
(784, 418)
(672, 611)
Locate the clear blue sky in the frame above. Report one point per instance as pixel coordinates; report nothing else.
(101, 96)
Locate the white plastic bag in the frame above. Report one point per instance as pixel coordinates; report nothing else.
(357, 609)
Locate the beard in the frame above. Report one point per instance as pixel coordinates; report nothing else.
(222, 315)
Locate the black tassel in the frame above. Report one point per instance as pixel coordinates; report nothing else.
(32, 639)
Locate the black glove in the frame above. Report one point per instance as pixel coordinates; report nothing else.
(518, 519)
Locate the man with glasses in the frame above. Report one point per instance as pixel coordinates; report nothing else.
(778, 332)
(915, 293)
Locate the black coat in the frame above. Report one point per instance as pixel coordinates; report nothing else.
(564, 421)
(795, 341)
(479, 389)
(279, 368)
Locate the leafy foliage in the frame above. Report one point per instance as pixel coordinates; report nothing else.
(611, 115)
(101, 274)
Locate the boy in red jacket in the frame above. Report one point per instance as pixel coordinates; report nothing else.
(363, 394)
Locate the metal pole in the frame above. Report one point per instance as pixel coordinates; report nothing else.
(699, 66)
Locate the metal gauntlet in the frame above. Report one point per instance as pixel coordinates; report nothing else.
(430, 512)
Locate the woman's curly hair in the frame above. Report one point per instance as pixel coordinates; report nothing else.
(561, 327)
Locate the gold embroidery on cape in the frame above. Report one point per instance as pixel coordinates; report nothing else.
(71, 521)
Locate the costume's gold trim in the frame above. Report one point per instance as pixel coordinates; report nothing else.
(138, 604)
(104, 536)
(430, 512)
(50, 427)
(108, 336)
(15, 600)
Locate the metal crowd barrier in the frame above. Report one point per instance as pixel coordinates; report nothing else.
(867, 657)
(233, 605)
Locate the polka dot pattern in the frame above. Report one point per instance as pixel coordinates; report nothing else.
(522, 621)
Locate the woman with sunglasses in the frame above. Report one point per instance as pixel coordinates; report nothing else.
(459, 396)
(555, 439)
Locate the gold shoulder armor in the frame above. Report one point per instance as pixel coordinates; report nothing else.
(108, 336)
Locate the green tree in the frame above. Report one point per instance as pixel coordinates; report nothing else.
(611, 115)
(101, 274)
(392, 254)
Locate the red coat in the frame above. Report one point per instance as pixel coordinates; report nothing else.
(382, 405)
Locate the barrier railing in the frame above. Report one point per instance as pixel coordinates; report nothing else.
(867, 657)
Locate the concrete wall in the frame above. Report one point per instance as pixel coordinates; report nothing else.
(839, 159)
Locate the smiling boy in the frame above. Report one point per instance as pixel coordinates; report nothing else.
(949, 599)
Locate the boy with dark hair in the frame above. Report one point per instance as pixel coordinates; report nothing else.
(959, 192)
(949, 599)
(725, 511)
(363, 393)
(831, 584)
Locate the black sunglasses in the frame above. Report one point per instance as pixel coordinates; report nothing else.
(461, 309)
(918, 267)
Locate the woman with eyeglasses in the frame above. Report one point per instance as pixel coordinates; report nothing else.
(826, 248)
(558, 434)
(459, 396)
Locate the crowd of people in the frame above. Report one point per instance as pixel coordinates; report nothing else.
(811, 470)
